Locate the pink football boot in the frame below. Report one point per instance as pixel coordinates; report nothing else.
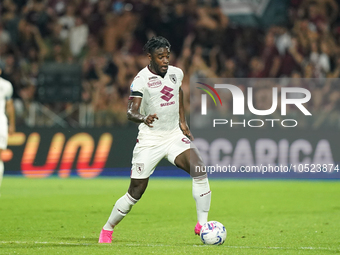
(105, 236)
(198, 228)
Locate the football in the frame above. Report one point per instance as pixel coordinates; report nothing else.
(213, 232)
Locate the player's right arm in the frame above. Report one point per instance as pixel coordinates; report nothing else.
(134, 115)
(135, 100)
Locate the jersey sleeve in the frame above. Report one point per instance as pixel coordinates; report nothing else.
(137, 87)
(9, 92)
(181, 75)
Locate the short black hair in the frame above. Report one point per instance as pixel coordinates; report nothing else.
(155, 43)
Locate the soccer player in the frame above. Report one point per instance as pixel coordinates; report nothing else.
(7, 126)
(156, 103)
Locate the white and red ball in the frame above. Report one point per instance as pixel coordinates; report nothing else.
(213, 232)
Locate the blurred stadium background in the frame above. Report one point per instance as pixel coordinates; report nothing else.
(71, 63)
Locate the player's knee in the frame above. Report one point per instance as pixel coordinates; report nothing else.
(195, 161)
(183, 163)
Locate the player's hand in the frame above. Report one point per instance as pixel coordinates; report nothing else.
(11, 129)
(186, 131)
(150, 119)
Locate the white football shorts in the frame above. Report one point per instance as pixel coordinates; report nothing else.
(3, 136)
(150, 150)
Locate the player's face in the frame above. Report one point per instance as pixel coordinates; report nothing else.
(160, 60)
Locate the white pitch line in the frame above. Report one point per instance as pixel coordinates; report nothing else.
(23, 242)
(165, 245)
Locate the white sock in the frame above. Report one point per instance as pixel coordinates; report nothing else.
(1, 170)
(119, 211)
(202, 195)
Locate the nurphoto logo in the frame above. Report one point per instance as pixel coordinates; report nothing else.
(301, 96)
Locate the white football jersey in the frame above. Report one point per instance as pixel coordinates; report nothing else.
(161, 96)
(6, 92)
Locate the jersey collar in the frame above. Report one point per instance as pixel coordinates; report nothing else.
(155, 73)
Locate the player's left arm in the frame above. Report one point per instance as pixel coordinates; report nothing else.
(11, 116)
(182, 120)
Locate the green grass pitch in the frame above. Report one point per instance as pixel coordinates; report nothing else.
(65, 216)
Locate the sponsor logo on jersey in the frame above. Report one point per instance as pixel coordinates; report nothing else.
(167, 95)
(139, 167)
(154, 84)
(166, 104)
(152, 77)
(173, 78)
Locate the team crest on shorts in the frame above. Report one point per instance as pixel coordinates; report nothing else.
(185, 140)
(173, 78)
(139, 167)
